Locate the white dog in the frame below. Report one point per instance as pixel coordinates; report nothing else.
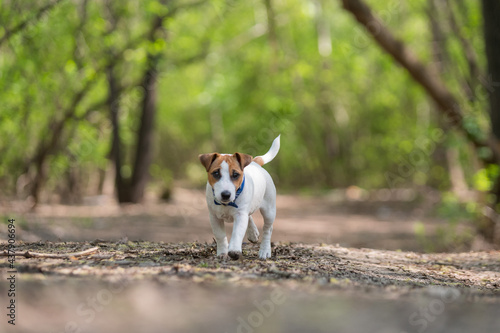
(237, 186)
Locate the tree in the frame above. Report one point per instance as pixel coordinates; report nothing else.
(445, 100)
(491, 18)
(236, 74)
(131, 189)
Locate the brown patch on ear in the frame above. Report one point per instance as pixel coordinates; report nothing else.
(207, 159)
(243, 159)
(259, 160)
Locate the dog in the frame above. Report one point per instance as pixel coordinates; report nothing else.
(237, 186)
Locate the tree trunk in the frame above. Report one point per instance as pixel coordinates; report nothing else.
(144, 149)
(121, 184)
(442, 62)
(324, 100)
(39, 179)
(132, 190)
(491, 17)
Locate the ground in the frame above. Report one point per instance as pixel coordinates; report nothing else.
(336, 218)
(176, 285)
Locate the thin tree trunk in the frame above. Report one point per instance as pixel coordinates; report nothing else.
(121, 185)
(442, 61)
(144, 149)
(41, 173)
(491, 17)
(325, 105)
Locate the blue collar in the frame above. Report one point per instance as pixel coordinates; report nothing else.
(232, 203)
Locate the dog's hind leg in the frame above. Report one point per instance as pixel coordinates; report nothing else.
(268, 211)
(252, 231)
(269, 214)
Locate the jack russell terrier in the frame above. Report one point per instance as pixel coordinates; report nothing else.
(237, 186)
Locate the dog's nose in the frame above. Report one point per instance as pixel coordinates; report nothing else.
(225, 195)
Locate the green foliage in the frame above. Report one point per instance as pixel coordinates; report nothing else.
(346, 116)
(485, 178)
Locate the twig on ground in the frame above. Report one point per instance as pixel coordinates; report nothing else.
(29, 254)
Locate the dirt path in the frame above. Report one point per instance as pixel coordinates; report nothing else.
(158, 287)
(321, 277)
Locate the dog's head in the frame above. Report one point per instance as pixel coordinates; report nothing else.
(225, 173)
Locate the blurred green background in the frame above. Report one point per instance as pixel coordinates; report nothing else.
(230, 76)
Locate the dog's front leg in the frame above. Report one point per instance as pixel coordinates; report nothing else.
(239, 230)
(220, 234)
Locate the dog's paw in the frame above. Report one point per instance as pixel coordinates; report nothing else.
(235, 255)
(265, 253)
(223, 256)
(253, 235)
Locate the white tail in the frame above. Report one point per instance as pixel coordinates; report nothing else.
(271, 154)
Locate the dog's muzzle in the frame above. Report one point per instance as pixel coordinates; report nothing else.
(225, 195)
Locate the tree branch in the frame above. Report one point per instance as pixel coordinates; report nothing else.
(29, 254)
(433, 85)
(9, 33)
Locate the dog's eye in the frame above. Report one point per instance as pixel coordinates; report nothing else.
(216, 174)
(235, 175)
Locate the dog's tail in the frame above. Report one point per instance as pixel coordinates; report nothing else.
(270, 155)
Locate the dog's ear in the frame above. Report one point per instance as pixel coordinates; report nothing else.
(243, 159)
(208, 159)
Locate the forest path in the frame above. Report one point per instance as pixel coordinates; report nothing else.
(182, 287)
(329, 219)
(321, 277)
